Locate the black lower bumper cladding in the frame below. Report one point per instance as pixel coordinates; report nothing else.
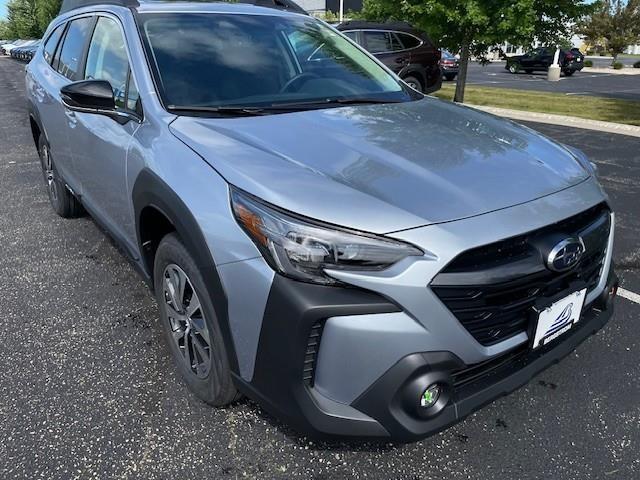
(392, 401)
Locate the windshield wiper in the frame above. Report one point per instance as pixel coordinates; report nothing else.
(333, 101)
(249, 111)
(224, 110)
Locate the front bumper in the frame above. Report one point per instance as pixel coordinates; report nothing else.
(388, 408)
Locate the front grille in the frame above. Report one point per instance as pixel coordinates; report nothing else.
(311, 356)
(492, 289)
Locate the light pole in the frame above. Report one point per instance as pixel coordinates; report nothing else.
(341, 11)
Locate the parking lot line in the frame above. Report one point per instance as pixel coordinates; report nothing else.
(634, 297)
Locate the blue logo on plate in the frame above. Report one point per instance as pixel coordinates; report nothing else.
(562, 320)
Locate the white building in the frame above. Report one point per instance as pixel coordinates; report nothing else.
(633, 50)
(313, 6)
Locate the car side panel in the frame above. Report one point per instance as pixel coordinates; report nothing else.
(165, 174)
(43, 91)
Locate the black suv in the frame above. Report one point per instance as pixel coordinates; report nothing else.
(541, 58)
(408, 52)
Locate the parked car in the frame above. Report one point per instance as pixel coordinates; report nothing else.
(450, 65)
(20, 43)
(25, 53)
(358, 258)
(540, 59)
(403, 49)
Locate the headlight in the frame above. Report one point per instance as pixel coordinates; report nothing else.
(303, 249)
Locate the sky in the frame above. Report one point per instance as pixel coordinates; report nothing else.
(3, 8)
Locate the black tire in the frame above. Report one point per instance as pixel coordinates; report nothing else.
(62, 200)
(568, 73)
(450, 77)
(216, 387)
(414, 83)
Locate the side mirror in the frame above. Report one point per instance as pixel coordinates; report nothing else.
(94, 96)
(89, 95)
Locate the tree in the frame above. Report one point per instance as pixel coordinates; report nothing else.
(28, 18)
(47, 11)
(616, 22)
(21, 18)
(472, 27)
(5, 32)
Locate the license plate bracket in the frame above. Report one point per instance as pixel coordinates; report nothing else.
(558, 318)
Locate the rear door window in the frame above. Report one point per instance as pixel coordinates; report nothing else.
(51, 43)
(382, 42)
(409, 41)
(73, 48)
(353, 35)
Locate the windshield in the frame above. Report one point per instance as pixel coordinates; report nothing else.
(213, 60)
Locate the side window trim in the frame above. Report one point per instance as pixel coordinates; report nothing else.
(63, 27)
(63, 38)
(395, 34)
(85, 49)
(400, 35)
(55, 60)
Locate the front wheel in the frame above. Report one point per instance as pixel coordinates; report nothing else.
(513, 68)
(414, 83)
(190, 324)
(568, 73)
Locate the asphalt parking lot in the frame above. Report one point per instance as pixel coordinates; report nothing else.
(626, 87)
(87, 389)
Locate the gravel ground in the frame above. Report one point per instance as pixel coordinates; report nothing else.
(87, 389)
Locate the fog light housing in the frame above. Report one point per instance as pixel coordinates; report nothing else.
(430, 396)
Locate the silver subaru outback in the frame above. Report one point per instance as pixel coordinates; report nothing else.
(359, 259)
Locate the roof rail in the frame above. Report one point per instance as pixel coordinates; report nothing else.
(289, 5)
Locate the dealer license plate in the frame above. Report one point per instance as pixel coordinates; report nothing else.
(559, 318)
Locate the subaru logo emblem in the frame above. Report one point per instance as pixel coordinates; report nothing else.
(566, 254)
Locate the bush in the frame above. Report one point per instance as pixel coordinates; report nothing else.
(637, 64)
(588, 63)
(618, 65)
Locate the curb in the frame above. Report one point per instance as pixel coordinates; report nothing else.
(562, 120)
(612, 71)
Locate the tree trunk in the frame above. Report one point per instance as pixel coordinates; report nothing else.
(462, 74)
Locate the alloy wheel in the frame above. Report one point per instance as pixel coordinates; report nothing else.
(413, 85)
(49, 174)
(189, 330)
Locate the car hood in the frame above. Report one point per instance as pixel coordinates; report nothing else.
(384, 168)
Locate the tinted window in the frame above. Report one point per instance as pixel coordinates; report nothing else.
(379, 42)
(352, 35)
(409, 41)
(52, 43)
(73, 47)
(107, 58)
(212, 60)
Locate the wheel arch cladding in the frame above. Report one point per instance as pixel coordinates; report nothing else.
(34, 123)
(151, 192)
